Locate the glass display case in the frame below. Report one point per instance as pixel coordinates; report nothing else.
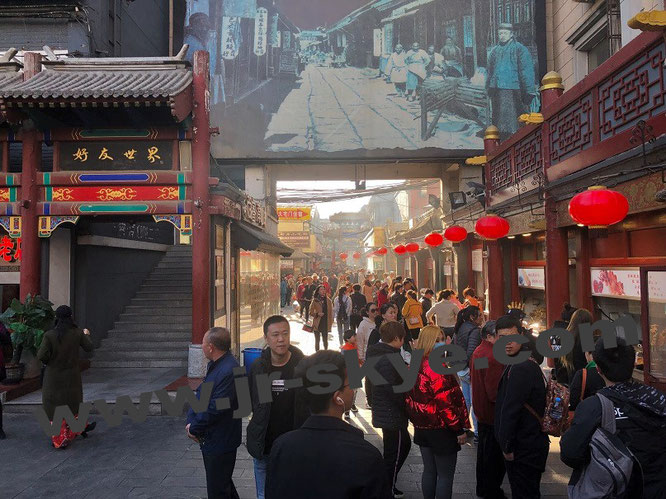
(653, 285)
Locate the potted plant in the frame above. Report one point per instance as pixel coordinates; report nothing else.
(27, 323)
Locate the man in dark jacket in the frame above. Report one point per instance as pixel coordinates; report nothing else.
(281, 414)
(490, 469)
(389, 411)
(518, 431)
(399, 298)
(358, 304)
(467, 335)
(640, 418)
(216, 431)
(302, 460)
(426, 303)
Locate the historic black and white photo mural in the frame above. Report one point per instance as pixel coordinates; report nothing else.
(382, 79)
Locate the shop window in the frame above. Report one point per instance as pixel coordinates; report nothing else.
(657, 323)
(541, 250)
(219, 269)
(595, 40)
(259, 294)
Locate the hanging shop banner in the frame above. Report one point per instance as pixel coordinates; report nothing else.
(274, 41)
(477, 260)
(616, 283)
(532, 278)
(486, 53)
(377, 42)
(260, 31)
(240, 8)
(300, 239)
(230, 37)
(294, 213)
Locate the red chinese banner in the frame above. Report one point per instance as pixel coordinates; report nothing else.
(300, 213)
(10, 249)
(113, 193)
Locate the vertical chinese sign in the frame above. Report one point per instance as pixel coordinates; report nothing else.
(260, 31)
(275, 33)
(230, 38)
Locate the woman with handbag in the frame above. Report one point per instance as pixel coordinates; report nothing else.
(412, 312)
(321, 311)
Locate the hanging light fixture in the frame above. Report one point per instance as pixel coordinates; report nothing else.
(343, 256)
(412, 247)
(400, 249)
(598, 207)
(356, 255)
(381, 251)
(492, 227)
(434, 239)
(455, 233)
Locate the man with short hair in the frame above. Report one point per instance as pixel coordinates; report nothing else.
(216, 431)
(326, 457)
(271, 419)
(426, 303)
(490, 469)
(640, 419)
(517, 429)
(388, 408)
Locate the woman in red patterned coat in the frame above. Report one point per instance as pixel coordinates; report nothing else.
(436, 408)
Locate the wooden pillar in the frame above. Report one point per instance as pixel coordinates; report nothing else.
(31, 163)
(201, 258)
(557, 264)
(491, 141)
(515, 257)
(583, 276)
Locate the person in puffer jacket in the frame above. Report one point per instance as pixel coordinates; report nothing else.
(388, 408)
(640, 419)
(436, 408)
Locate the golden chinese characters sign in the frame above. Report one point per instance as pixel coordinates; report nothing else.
(116, 155)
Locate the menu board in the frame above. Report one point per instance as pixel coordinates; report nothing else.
(532, 278)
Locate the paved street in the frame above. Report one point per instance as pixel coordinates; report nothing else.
(336, 109)
(155, 459)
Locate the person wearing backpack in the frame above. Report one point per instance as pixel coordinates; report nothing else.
(518, 431)
(358, 304)
(633, 417)
(342, 308)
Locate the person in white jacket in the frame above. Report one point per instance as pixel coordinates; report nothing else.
(365, 328)
(342, 308)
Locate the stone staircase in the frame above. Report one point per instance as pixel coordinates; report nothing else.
(155, 328)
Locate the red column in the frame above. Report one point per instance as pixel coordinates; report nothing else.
(32, 157)
(557, 264)
(201, 288)
(583, 277)
(491, 141)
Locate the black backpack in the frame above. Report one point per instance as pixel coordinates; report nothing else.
(342, 309)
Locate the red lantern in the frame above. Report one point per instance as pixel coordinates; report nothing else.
(343, 256)
(400, 249)
(434, 239)
(598, 207)
(381, 251)
(412, 247)
(455, 233)
(492, 227)
(356, 255)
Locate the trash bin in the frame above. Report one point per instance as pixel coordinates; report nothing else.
(249, 356)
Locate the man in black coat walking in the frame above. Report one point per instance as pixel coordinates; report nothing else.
(301, 461)
(216, 431)
(388, 408)
(518, 431)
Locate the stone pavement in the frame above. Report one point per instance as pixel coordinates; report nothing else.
(156, 459)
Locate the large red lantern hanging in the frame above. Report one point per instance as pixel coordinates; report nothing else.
(412, 247)
(598, 207)
(381, 251)
(356, 255)
(343, 256)
(492, 227)
(455, 233)
(434, 239)
(400, 249)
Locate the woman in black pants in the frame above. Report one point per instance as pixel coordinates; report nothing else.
(321, 310)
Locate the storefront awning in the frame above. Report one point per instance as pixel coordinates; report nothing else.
(406, 10)
(250, 238)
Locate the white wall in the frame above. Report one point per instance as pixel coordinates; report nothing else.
(628, 9)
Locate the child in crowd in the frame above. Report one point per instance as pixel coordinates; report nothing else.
(350, 344)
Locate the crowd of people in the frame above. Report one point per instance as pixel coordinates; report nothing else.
(305, 444)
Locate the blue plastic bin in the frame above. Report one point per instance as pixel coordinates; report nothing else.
(249, 356)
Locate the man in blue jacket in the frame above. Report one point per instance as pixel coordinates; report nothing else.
(216, 431)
